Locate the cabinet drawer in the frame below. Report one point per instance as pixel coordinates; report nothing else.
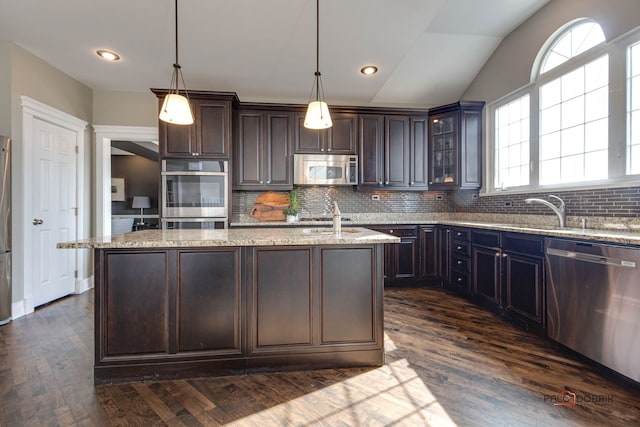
(523, 243)
(490, 239)
(460, 234)
(460, 280)
(461, 248)
(411, 231)
(461, 263)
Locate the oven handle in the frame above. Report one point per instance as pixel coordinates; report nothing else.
(183, 173)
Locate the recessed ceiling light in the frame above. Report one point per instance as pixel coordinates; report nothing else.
(369, 70)
(108, 55)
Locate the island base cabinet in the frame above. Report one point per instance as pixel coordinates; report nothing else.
(192, 312)
(315, 300)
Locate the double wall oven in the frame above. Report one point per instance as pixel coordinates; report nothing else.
(195, 193)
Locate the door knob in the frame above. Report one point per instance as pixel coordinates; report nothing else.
(37, 221)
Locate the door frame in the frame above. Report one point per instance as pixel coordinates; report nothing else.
(102, 168)
(22, 243)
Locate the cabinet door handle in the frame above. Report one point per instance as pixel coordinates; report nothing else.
(459, 279)
(386, 183)
(261, 182)
(459, 262)
(410, 182)
(498, 254)
(458, 247)
(391, 231)
(504, 255)
(380, 183)
(328, 149)
(458, 234)
(322, 149)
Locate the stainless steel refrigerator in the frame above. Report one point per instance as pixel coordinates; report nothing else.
(5, 230)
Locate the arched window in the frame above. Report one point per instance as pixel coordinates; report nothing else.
(555, 131)
(576, 39)
(573, 108)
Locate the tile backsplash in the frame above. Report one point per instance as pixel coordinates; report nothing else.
(318, 201)
(616, 203)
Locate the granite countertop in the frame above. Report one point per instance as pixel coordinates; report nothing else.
(285, 236)
(626, 234)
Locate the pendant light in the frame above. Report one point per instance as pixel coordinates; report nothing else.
(175, 108)
(317, 116)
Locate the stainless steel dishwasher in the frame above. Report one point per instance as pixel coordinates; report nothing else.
(593, 302)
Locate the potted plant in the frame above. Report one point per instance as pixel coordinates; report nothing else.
(294, 206)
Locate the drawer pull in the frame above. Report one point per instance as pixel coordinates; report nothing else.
(459, 262)
(459, 279)
(458, 247)
(458, 234)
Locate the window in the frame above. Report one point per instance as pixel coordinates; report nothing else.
(565, 127)
(633, 110)
(512, 143)
(574, 111)
(577, 39)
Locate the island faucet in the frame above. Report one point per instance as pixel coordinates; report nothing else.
(558, 210)
(337, 219)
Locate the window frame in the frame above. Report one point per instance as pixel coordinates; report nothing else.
(617, 51)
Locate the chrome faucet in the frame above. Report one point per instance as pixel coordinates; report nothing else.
(558, 210)
(337, 219)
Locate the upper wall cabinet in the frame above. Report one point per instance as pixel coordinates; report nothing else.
(456, 146)
(208, 137)
(341, 138)
(393, 152)
(262, 150)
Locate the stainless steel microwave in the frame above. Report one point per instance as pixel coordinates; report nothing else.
(325, 169)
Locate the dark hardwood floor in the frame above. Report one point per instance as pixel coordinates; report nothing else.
(447, 363)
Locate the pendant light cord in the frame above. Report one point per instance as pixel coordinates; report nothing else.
(177, 64)
(317, 74)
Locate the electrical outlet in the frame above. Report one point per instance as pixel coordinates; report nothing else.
(375, 197)
(439, 197)
(508, 204)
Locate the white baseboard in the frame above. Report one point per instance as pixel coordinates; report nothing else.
(25, 306)
(21, 308)
(83, 285)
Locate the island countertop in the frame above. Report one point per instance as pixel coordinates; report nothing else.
(285, 236)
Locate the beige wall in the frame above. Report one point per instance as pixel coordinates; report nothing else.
(5, 88)
(509, 68)
(112, 108)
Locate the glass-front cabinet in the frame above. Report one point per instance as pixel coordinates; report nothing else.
(444, 155)
(455, 145)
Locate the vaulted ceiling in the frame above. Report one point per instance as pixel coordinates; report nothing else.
(427, 51)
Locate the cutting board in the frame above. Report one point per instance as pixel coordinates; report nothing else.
(270, 206)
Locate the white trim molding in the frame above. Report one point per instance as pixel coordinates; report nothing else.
(102, 163)
(35, 109)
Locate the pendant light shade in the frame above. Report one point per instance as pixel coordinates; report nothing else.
(317, 116)
(175, 107)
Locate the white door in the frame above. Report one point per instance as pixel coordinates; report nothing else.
(54, 211)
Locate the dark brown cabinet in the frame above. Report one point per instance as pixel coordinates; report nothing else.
(187, 312)
(155, 303)
(262, 156)
(210, 134)
(508, 275)
(523, 279)
(428, 258)
(384, 148)
(341, 138)
(455, 146)
(401, 259)
(486, 261)
(460, 272)
(393, 152)
(443, 253)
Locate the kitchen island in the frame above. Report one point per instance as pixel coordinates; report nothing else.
(188, 303)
